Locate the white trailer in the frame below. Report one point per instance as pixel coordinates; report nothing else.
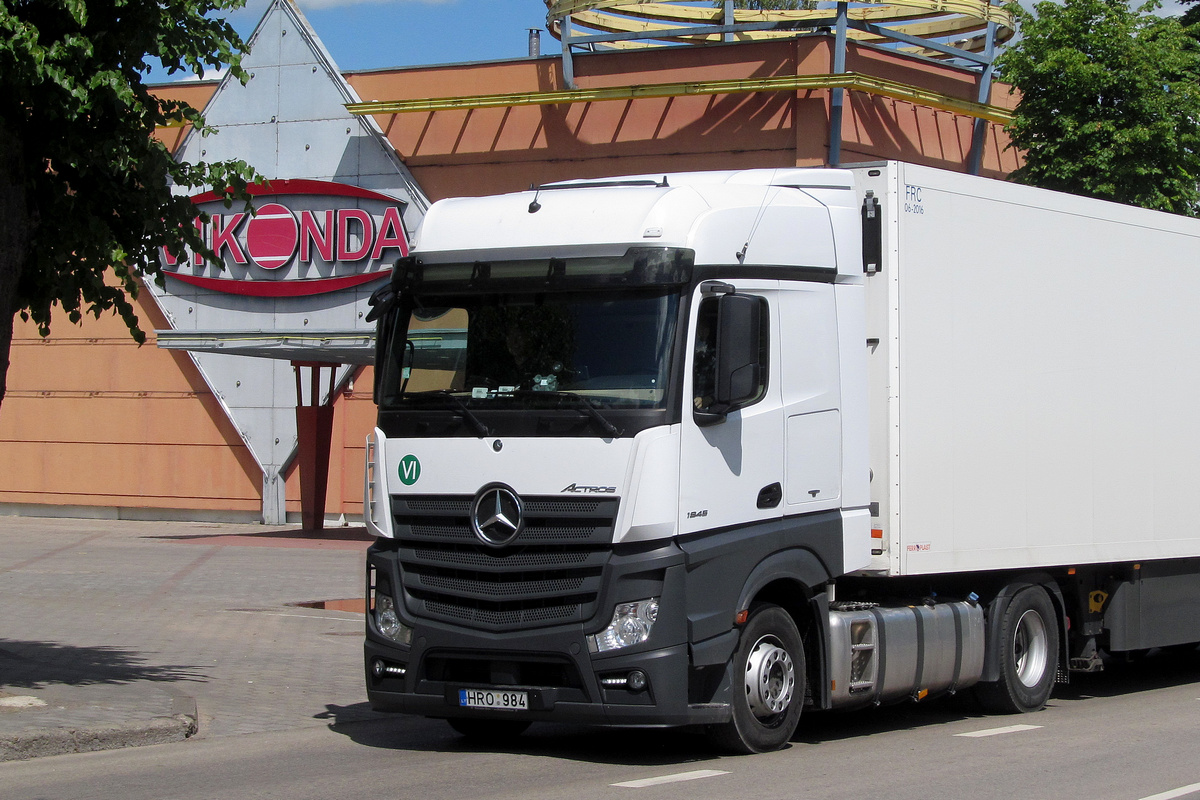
(711, 448)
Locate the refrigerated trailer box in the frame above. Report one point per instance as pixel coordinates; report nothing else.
(1034, 363)
(710, 448)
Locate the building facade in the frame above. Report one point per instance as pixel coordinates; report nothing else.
(202, 421)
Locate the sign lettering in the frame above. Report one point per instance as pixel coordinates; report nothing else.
(304, 238)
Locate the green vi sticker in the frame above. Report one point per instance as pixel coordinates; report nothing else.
(410, 470)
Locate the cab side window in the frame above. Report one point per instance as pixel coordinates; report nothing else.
(704, 374)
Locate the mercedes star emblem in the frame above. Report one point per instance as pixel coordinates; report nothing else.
(496, 515)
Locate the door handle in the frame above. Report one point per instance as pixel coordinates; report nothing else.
(769, 496)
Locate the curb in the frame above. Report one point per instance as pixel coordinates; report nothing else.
(38, 742)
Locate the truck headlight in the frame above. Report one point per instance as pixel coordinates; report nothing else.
(631, 624)
(388, 621)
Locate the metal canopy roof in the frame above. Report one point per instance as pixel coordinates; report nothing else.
(333, 347)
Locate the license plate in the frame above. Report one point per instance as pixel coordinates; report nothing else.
(490, 698)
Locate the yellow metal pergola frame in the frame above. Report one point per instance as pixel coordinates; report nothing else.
(634, 23)
(783, 83)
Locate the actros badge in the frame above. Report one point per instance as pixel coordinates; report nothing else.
(497, 515)
(577, 488)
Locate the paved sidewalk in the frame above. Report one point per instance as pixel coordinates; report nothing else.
(118, 633)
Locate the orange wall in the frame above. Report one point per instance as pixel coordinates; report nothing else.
(91, 419)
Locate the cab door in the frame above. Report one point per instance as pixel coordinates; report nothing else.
(732, 469)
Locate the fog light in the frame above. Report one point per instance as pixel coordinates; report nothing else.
(388, 621)
(382, 669)
(636, 681)
(631, 624)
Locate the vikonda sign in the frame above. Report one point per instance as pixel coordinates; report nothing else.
(306, 237)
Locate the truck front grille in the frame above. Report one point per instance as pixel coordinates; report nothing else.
(549, 575)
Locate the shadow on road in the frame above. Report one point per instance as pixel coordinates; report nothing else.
(618, 746)
(1137, 672)
(627, 746)
(905, 716)
(33, 665)
(644, 747)
(348, 534)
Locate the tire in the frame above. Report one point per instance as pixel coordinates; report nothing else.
(1028, 655)
(488, 730)
(768, 671)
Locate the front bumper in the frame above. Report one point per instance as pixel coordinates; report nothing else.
(436, 668)
(564, 681)
(663, 702)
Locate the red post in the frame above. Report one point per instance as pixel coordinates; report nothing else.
(314, 430)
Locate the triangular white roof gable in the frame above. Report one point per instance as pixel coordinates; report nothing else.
(289, 121)
(297, 90)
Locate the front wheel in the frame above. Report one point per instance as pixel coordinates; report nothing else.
(1028, 655)
(769, 680)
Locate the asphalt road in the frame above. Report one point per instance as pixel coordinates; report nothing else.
(1130, 733)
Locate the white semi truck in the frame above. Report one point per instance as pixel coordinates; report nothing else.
(711, 449)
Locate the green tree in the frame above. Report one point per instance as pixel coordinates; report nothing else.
(1110, 103)
(85, 189)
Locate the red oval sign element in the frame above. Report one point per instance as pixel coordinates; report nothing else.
(272, 235)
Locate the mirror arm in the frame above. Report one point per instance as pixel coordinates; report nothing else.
(706, 419)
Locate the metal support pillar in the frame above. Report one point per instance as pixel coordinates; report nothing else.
(314, 431)
(274, 498)
(728, 20)
(984, 95)
(837, 95)
(568, 63)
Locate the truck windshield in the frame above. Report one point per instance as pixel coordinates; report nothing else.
(536, 350)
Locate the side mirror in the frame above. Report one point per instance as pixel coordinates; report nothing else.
(385, 319)
(739, 367)
(738, 370)
(382, 301)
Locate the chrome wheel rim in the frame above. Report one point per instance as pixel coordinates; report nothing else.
(770, 678)
(1031, 648)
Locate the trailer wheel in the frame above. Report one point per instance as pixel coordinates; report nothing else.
(768, 684)
(488, 730)
(1028, 655)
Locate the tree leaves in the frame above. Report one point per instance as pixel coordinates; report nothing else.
(1110, 103)
(86, 197)
(97, 185)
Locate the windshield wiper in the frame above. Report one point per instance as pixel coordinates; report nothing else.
(458, 405)
(582, 403)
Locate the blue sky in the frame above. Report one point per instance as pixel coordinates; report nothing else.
(366, 34)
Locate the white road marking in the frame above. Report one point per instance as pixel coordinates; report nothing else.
(676, 778)
(998, 731)
(1182, 791)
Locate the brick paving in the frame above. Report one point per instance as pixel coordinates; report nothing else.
(111, 622)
